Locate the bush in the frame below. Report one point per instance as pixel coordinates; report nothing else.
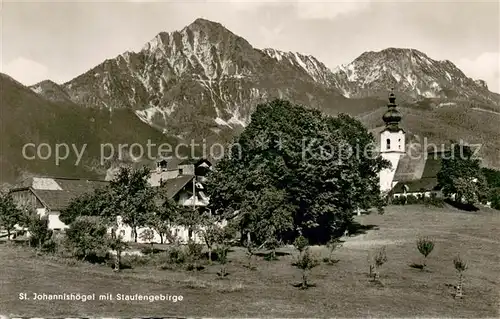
(193, 254)
(301, 243)
(376, 262)
(150, 250)
(411, 200)
(194, 250)
(494, 198)
(131, 261)
(49, 246)
(461, 266)
(148, 235)
(400, 200)
(87, 237)
(305, 262)
(250, 253)
(222, 252)
(332, 244)
(176, 255)
(39, 230)
(147, 250)
(425, 246)
(272, 244)
(432, 200)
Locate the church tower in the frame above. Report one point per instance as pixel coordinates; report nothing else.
(392, 143)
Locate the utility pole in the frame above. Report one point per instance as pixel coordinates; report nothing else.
(194, 193)
(194, 204)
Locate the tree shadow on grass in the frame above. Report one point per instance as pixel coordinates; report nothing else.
(462, 206)
(214, 256)
(356, 228)
(419, 266)
(278, 254)
(330, 262)
(152, 251)
(376, 283)
(300, 286)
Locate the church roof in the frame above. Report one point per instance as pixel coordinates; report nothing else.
(424, 184)
(413, 168)
(432, 166)
(410, 168)
(418, 174)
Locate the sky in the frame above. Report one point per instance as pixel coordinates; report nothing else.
(58, 40)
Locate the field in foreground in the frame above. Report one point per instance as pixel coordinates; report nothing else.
(342, 290)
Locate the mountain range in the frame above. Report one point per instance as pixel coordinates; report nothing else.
(203, 82)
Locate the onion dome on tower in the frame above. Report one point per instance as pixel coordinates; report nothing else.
(392, 117)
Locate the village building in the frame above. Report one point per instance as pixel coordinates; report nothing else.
(48, 196)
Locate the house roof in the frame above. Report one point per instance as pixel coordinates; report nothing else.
(195, 161)
(55, 200)
(175, 185)
(425, 184)
(57, 193)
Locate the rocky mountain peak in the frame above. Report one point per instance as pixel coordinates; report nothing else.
(51, 91)
(200, 35)
(318, 71)
(410, 71)
(207, 26)
(481, 83)
(204, 78)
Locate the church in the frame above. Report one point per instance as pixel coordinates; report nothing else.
(408, 174)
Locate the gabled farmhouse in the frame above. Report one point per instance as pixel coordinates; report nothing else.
(49, 196)
(183, 179)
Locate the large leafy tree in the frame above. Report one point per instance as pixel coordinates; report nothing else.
(163, 216)
(87, 237)
(10, 214)
(132, 196)
(461, 176)
(97, 203)
(294, 167)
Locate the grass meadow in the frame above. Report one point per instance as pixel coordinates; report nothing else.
(341, 290)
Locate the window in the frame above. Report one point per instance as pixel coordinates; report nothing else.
(181, 171)
(388, 142)
(399, 144)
